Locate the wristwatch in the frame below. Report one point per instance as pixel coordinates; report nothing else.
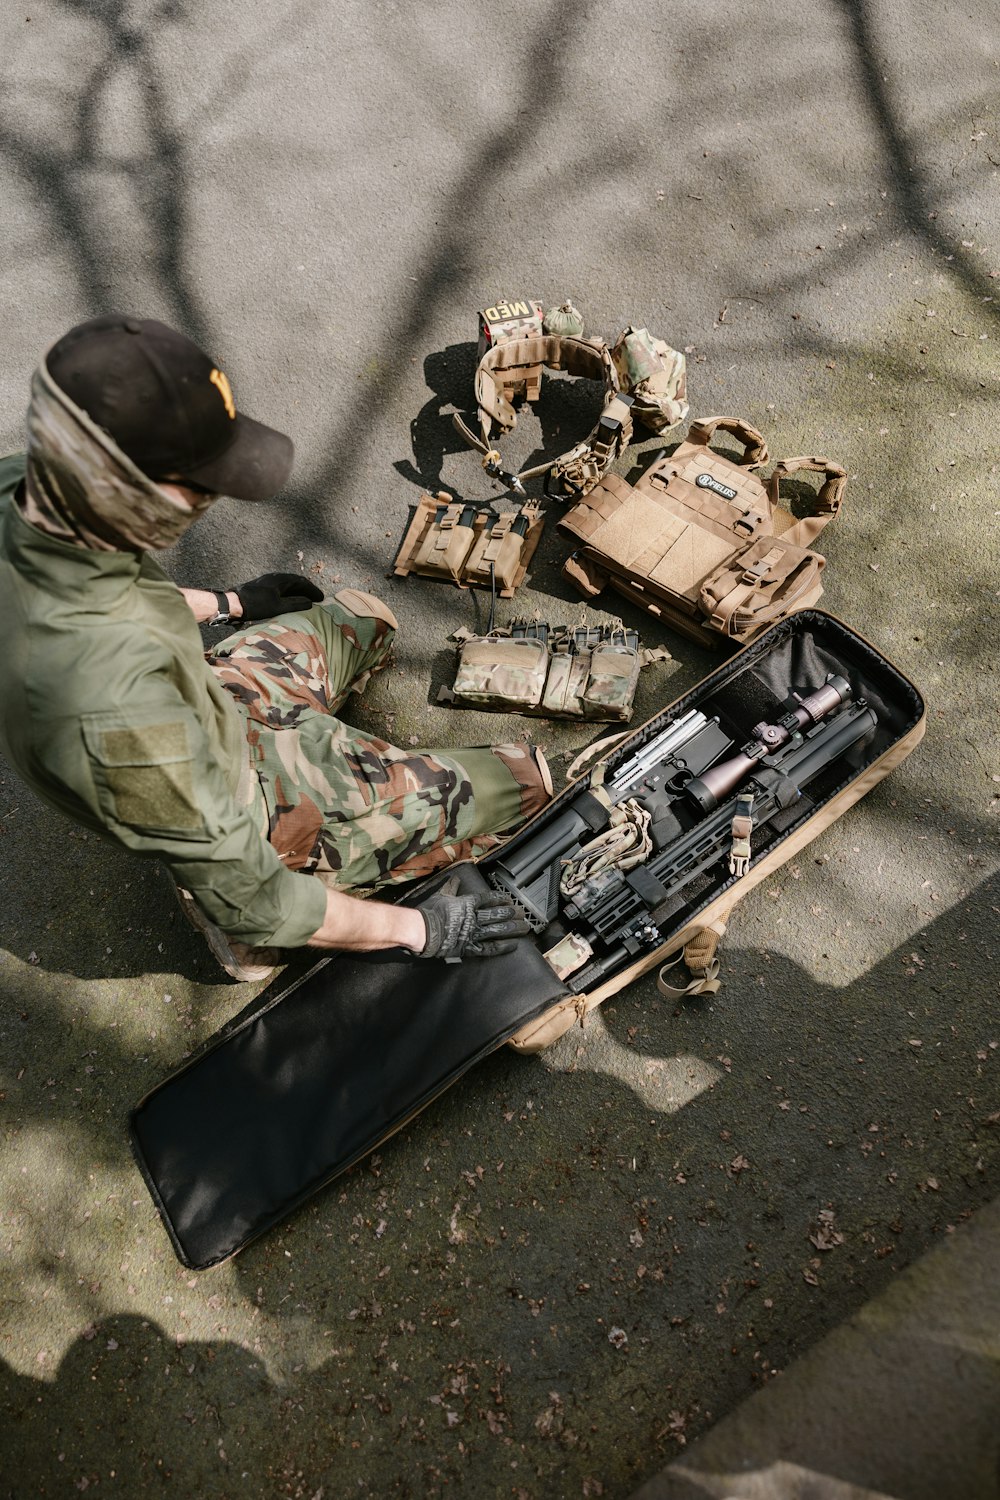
(223, 617)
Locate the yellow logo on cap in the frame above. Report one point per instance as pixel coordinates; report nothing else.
(225, 391)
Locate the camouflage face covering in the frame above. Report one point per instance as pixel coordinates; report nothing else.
(83, 489)
(356, 810)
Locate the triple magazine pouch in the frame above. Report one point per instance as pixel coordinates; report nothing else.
(634, 867)
(557, 671)
(701, 542)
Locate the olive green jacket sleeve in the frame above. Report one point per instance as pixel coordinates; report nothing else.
(150, 780)
(110, 714)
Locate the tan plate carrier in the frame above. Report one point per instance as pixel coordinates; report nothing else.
(470, 547)
(701, 541)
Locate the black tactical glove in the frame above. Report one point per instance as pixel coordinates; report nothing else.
(276, 594)
(476, 926)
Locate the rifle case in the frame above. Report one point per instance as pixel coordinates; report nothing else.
(324, 1069)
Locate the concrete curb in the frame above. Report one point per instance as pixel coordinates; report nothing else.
(901, 1400)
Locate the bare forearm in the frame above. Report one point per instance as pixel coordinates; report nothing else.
(204, 605)
(364, 926)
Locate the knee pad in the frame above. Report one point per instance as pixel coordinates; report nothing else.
(366, 606)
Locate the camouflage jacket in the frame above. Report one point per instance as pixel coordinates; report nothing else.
(110, 713)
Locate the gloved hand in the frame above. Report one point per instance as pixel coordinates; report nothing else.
(276, 594)
(474, 926)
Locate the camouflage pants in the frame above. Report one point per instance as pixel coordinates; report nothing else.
(355, 810)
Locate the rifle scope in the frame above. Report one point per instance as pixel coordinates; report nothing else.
(708, 789)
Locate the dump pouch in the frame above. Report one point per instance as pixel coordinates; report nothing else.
(654, 375)
(701, 542)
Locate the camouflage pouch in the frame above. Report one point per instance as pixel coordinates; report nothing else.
(495, 671)
(561, 672)
(592, 678)
(566, 683)
(654, 375)
(613, 679)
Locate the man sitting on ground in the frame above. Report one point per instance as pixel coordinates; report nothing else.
(233, 769)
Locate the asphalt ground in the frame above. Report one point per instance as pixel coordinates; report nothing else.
(805, 200)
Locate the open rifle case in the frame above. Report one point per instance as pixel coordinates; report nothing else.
(768, 751)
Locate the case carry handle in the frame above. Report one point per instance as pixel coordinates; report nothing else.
(699, 958)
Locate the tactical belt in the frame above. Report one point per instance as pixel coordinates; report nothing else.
(514, 368)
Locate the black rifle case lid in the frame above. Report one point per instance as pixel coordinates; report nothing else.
(312, 1081)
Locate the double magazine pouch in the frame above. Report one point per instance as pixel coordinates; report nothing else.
(701, 541)
(469, 546)
(558, 671)
(634, 867)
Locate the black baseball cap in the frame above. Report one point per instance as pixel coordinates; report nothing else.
(169, 407)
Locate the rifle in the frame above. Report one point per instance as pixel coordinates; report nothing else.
(531, 874)
(694, 819)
